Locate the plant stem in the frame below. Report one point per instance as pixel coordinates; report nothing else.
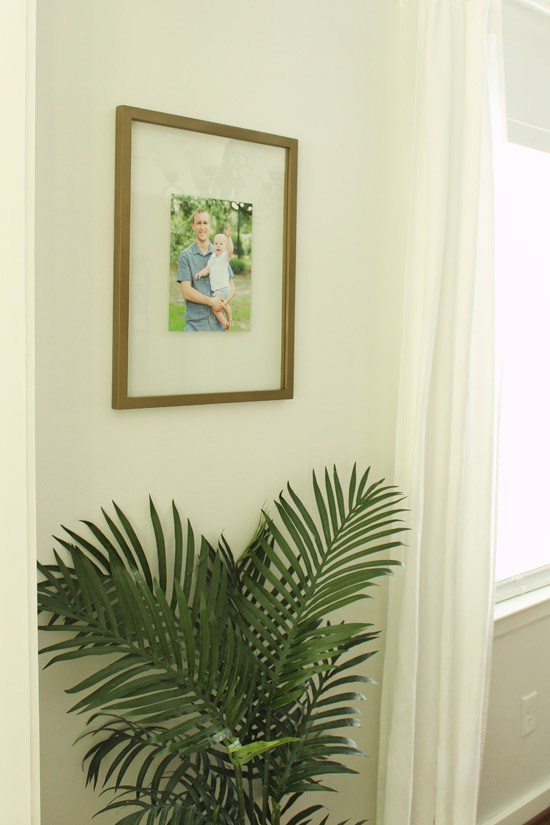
(265, 800)
(240, 794)
(251, 813)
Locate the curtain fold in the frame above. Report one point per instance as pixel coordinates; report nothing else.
(440, 617)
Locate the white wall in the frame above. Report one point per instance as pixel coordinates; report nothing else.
(340, 79)
(515, 782)
(330, 75)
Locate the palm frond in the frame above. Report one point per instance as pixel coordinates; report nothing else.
(164, 780)
(222, 679)
(314, 568)
(318, 720)
(167, 661)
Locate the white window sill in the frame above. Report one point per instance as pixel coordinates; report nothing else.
(521, 610)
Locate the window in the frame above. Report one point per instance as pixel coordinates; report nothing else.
(523, 287)
(523, 277)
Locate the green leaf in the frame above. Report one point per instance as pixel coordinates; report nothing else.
(321, 507)
(161, 545)
(200, 578)
(301, 816)
(189, 563)
(170, 624)
(82, 542)
(68, 579)
(363, 483)
(140, 559)
(186, 625)
(178, 553)
(308, 521)
(244, 753)
(352, 488)
(331, 499)
(339, 496)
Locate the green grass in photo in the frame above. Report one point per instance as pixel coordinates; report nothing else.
(240, 305)
(176, 320)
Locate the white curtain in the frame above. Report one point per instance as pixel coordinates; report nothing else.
(440, 619)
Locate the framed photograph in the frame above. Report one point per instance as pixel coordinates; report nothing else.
(205, 239)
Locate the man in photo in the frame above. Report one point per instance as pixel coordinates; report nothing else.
(200, 302)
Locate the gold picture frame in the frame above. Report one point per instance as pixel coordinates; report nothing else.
(158, 155)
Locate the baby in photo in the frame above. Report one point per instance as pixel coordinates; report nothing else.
(217, 268)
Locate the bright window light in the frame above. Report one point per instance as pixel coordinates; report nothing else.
(523, 285)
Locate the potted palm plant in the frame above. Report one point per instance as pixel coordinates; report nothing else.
(223, 689)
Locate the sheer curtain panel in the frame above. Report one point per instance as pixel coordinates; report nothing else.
(440, 619)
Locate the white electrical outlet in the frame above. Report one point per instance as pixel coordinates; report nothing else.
(528, 713)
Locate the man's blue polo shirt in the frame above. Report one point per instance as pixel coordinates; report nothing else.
(192, 260)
